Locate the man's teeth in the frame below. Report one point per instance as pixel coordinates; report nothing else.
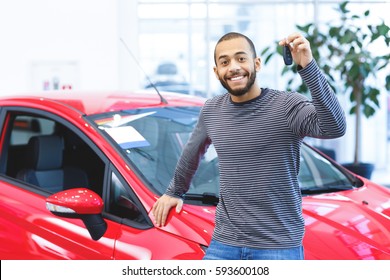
(236, 78)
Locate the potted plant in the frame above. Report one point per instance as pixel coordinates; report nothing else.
(344, 50)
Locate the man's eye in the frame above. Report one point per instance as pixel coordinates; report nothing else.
(242, 59)
(224, 62)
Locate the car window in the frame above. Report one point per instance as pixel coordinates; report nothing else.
(48, 154)
(25, 127)
(317, 174)
(153, 139)
(123, 203)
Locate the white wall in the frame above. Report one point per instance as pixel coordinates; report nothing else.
(75, 40)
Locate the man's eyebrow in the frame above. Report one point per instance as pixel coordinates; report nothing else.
(242, 52)
(237, 53)
(222, 56)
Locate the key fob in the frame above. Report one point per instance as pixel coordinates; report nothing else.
(287, 57)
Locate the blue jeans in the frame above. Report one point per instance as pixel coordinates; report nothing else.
(220, 251)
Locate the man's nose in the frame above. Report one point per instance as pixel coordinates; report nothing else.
(234, 66)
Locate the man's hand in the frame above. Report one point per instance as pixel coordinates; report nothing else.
(300, 48)
(162, 207)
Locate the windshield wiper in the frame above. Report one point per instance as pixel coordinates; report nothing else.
(205, 198)
(326, 189)
(142, 153)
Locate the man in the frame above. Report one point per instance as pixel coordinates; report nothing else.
(257, 133)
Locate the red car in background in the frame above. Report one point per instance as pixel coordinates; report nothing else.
(80, 172)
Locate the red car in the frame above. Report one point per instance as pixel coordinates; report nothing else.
(80, 172)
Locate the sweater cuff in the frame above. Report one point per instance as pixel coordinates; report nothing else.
(170, 192)
(308, 67)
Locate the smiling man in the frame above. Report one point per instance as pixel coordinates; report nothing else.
(236, 67)
(257, 133)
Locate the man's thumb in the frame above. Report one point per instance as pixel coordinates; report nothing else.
(179, 206)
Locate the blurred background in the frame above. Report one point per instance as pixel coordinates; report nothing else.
(125, 44)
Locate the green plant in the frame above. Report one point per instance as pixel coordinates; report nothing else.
(346, 51)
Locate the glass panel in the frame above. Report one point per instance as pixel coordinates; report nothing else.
(173, 47)
(318, 175)
(185, 34)
(121, 203)
(153, 140)
(26, 126)
(161, 11)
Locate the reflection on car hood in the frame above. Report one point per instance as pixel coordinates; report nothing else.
(357, 220)
(195, 223)
(345, 225)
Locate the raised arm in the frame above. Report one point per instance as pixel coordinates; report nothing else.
(323, 116)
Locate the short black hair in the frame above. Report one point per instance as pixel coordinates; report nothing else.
(234, 35)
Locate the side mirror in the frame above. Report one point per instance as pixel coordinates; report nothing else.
(80, 203)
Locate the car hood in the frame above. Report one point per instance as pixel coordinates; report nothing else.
(349, 225)
(195, 223)
(345, 225)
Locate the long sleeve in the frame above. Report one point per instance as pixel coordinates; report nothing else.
(322, 117)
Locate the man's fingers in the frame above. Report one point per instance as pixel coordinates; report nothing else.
(156, 213)
(164, 215)
(159, 213)
(162, 207)
(179, 206)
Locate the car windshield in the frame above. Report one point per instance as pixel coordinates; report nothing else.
(153, 139)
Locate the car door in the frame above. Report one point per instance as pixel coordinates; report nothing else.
(28, 230)
(137, 237)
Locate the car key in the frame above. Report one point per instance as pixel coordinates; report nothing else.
(287, 57)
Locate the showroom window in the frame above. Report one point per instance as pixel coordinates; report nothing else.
(183, 33)
(179, 36)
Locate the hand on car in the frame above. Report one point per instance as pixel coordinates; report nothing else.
(299, 47)
(162, 207)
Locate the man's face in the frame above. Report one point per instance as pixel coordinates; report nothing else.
(236, 66)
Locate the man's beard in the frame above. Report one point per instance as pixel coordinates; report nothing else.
(240, 91)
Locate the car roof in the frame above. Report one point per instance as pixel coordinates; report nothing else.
(95, 102)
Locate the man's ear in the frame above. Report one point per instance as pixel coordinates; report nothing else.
(216, 72)
(257, 64)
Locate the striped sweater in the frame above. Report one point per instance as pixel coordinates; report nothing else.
(258, 145)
